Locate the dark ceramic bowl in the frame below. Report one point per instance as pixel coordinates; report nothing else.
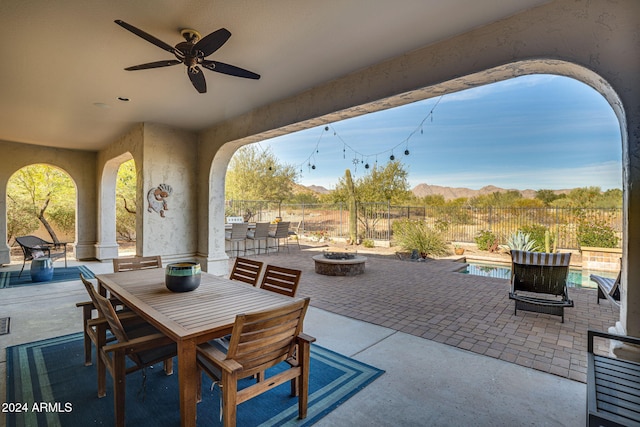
(182, 276)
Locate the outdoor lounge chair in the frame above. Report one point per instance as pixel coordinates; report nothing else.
(613, 384)
(608, 288)
(259, 341)
(34, 247)
(539, 282)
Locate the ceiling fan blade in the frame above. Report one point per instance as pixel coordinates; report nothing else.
(212, 42)
(197, 79)
(156, 64)
(232, 70)
(148, 37)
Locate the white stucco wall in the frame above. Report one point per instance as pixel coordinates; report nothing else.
(169, 157)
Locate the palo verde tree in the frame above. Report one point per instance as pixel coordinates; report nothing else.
(40, 194)
(126, 201)
(382, 184)
(256, 174)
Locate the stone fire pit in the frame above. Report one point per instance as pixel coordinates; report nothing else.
(339, 264)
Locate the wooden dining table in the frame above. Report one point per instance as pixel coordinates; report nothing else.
(188, 318)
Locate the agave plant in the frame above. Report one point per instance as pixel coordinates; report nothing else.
(520, 241)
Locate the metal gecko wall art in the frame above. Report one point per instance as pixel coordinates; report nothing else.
(157, 198)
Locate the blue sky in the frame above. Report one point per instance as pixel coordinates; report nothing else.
(532, 132)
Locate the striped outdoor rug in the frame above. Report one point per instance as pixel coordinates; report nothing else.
(10, 279)
(52, 372)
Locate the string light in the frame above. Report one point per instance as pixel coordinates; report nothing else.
(357, 153)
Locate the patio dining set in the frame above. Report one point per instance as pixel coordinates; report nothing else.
(227, 328)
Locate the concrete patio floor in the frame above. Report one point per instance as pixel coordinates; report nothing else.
(453, 352)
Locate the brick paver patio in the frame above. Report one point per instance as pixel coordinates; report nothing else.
(433, 301)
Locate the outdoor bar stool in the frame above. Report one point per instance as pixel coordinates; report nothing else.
(258, 234)
(237, 234)
(281, 232)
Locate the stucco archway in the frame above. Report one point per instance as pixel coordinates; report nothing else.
(107, 246)
(594, 42)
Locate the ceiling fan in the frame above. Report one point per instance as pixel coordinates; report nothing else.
(192, 53)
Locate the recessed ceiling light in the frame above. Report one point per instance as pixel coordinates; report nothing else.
(101, 105)
(123, 98)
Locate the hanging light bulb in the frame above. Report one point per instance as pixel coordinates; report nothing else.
(326, 128)
(366, 166)
(313, 167)
(392, 157)
(406, 152)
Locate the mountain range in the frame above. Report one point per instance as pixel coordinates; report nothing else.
(450, 193)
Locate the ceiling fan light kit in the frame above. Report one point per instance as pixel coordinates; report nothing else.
(192, 53)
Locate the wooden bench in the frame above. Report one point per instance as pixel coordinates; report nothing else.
(613, 385)
(539, 282)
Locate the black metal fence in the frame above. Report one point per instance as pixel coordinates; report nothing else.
(457, 224)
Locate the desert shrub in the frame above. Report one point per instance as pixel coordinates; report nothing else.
(485, 239)
(368, 243)
(410, 235)
(596, 232)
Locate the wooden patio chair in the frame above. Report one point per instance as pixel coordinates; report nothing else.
(259, 341)
(91, 326)
(246, 270)
(258, 234)
(88, 307)
(281, 280)
(136, 263)
(143, 345)
(539, 282)
(35, 247)
(278, 233)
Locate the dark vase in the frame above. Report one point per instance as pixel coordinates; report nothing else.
(182, 276)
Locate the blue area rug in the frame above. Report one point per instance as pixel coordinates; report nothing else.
(51, 374)
(10, 279)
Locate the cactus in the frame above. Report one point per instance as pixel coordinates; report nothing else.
(353, 213)
(548, 237)
(547, 241)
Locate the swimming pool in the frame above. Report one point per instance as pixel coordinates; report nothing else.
(577, 278)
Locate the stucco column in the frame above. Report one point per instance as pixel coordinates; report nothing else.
(107, 246)
(629, 323)
(5, 254)
(211, 250)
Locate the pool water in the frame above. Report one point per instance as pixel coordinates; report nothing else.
(577, 278)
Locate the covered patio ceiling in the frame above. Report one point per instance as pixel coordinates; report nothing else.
(63, 62)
